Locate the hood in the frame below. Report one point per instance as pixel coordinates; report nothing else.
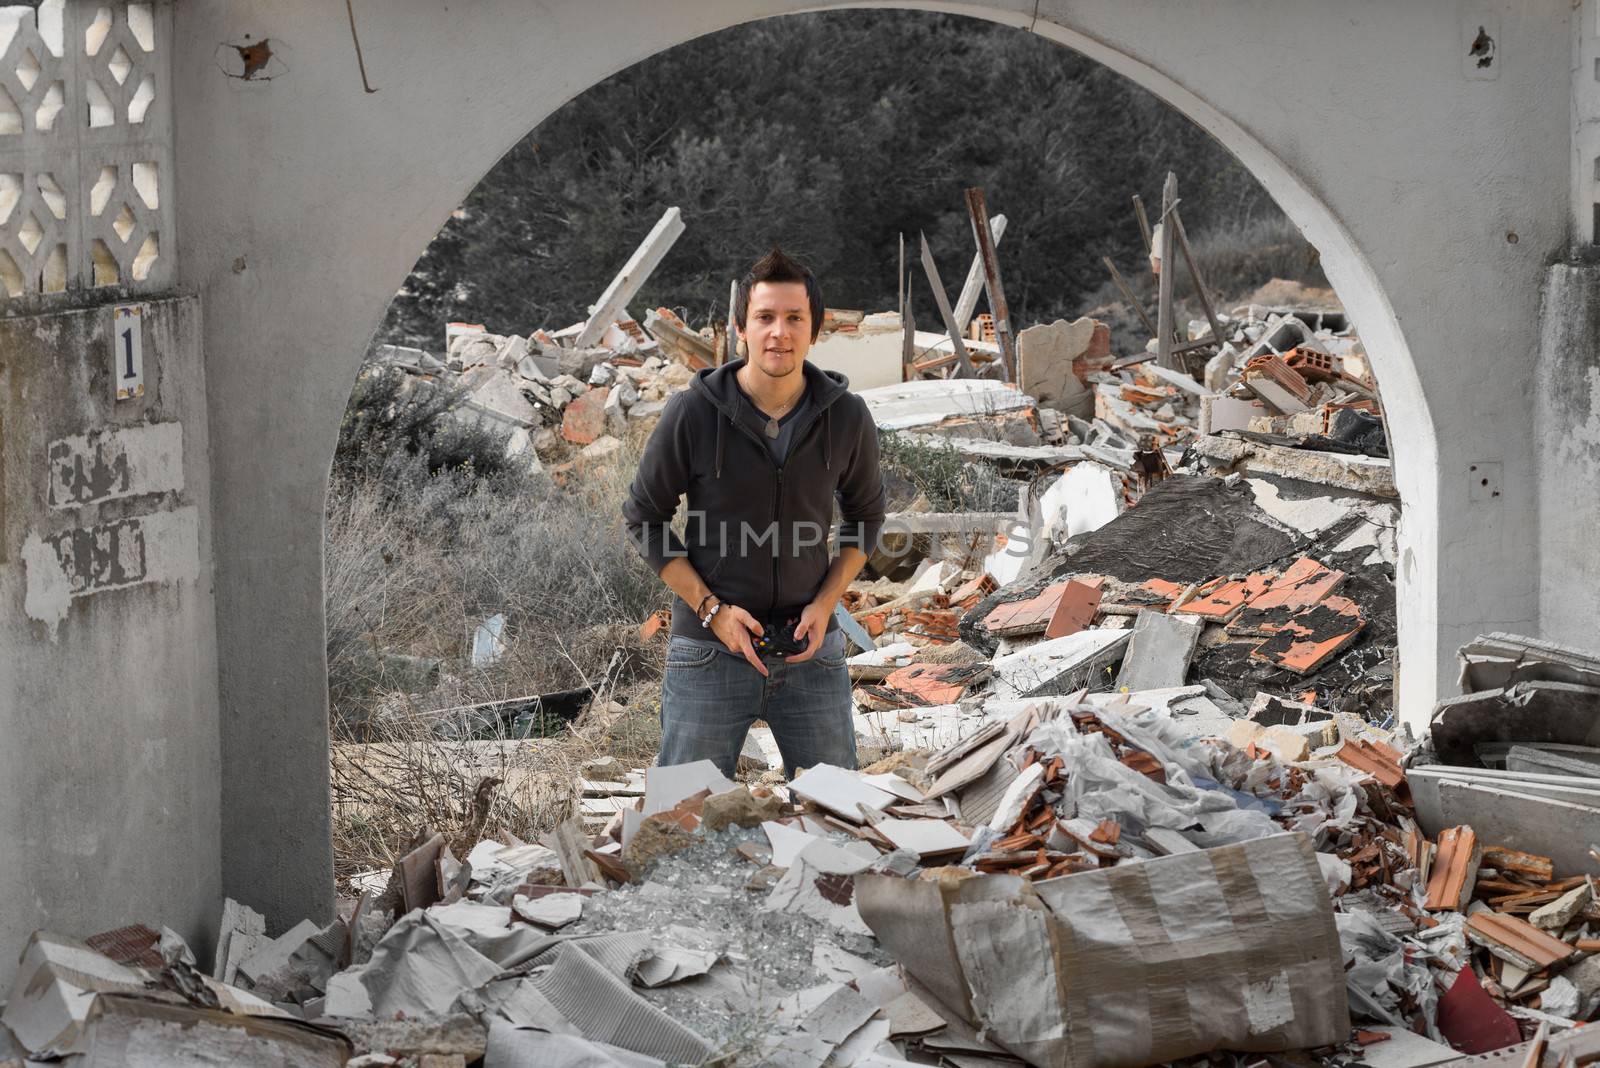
(718, 385)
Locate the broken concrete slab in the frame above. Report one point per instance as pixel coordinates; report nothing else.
(1045, 359)
(1507, 815)
(55, 990)
(129, 1031)
(1000, 453)
(1563, 910)
(550, 911)
(924, 404)
(634, 273)
(1057, 665)
(1498, 660)
(1532, 711)
(1364, 474)
(841, 792)
(1158, 652)
(241, 932)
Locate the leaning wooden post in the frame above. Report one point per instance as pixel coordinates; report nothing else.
(1168, 236)
(1144, 224)
(1128, 294)
(978, 211)
(945, 313)
(967, 303)
(1196, 277)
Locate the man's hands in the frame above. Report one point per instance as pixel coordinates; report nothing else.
(811, 629)
(733, 626)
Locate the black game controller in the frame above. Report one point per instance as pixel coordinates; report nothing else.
(777, 639)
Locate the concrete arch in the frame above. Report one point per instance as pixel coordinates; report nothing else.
(304, 201)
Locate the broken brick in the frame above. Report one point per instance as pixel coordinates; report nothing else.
(585, 417)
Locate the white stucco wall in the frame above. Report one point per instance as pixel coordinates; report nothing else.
(304, 201)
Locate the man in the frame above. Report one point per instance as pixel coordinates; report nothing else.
(761, 446)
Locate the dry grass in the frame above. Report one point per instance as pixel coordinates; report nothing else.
(409, 578)
(1233, 261)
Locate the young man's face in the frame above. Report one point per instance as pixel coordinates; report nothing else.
(777, 327)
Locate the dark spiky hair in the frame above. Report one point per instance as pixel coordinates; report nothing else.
(777, 266)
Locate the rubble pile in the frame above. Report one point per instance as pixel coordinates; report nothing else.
(1045, 888)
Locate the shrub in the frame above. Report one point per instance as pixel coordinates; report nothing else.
(398, 426)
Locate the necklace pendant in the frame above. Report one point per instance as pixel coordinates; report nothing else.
(772, 428)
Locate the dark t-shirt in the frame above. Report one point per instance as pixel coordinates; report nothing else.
(779, 446)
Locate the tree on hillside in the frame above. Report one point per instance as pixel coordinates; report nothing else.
(831, 134)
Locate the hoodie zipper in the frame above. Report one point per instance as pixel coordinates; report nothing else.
(777, 500)
(777, 510)
(777, 497)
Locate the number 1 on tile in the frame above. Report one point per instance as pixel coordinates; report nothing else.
(127, 350)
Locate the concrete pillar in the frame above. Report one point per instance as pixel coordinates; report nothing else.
(1568, 397)
(1586, 123)
(108, 702)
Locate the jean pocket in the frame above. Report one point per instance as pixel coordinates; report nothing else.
(829, 662)
(681, 654)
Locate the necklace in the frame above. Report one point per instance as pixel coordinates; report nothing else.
(772, 429)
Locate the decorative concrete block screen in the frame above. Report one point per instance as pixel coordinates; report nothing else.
(85, 152)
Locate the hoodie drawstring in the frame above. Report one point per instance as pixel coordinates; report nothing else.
(827, 435)
(719, 445)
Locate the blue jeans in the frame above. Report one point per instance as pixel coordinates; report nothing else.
(710, 698)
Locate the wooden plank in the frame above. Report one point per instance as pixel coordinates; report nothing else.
(1196, 276)
(1128, 294)
(417, 874)
(967, 303)
(900, 280)
(945, 313)
(634, 273)
(908, 327)
(1164, 311)
(571, 848)
(978, 212)
(1144, 224)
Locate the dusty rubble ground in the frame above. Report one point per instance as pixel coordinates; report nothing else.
(1125, 682)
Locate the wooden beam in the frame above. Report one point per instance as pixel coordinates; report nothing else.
(967, 303)
(943, 302)
(1144, 223)
(978, 213)
(1196, 277)
(1128, 294)
(900, 279)
(908, 337)
(634, 273)
(1164, 316)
